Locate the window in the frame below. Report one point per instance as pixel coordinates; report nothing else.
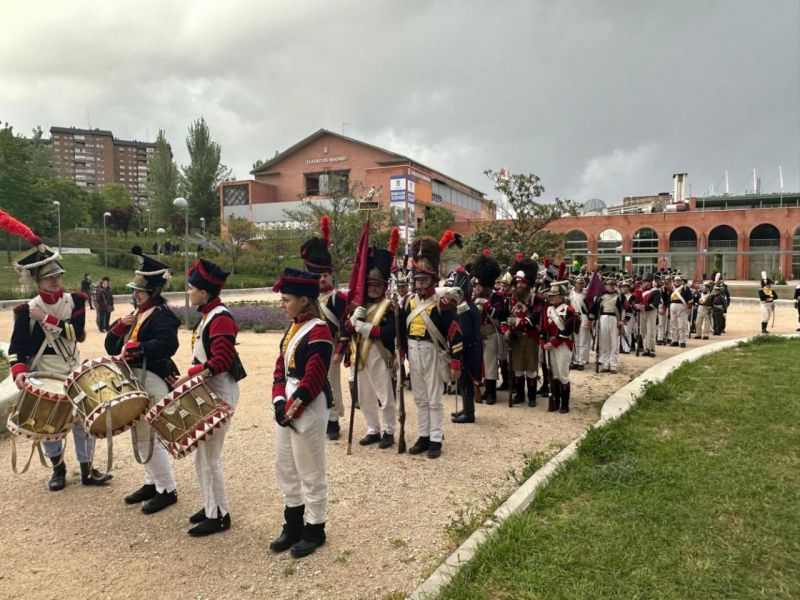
(327, 182)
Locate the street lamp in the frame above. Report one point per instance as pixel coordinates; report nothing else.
(57, 204)
(159, 231)
(183, 203)
(105, 238)
(203, 225)
(149, 225)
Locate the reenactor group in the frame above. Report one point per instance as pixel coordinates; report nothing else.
(483, 330)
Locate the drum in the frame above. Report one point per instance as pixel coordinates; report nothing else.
(107, 395)
(188, 415)
(43, 411)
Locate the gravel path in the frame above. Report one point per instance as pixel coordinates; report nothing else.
(387, 516)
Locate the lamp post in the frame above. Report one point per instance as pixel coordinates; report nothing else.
(57, 204)
(203, 225)
(159, 231)
(105, 239)
(183, 203)
(149, 225)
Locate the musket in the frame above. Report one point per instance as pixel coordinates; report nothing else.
(399, 391)
(638, 332)
(597, 350)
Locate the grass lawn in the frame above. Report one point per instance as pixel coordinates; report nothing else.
(694, 494)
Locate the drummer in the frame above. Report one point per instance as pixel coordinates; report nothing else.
(46, 333)
(215, 359)
(301, 398)
(147, 339)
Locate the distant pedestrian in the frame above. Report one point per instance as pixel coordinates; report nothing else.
(104, 303)
(86, 288)
(168, 247)
(155, 247)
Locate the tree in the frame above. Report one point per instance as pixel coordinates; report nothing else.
(436, 221)
(525, 231)
(42, 156)
(74, 204)
(346, 221)
(116, 195)
(205, 172)
(162, 188)
(239, 232)
(120, 219)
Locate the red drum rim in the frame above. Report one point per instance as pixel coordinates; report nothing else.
(42, 393)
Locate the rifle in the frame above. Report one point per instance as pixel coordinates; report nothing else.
(399, 392)
(511, 383)
(638, 318)
(597, 349)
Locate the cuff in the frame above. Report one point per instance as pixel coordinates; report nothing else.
(455, 364)
(196, 369)
(52, 320)
(17, 369)
(303, 395)
(119, 328)
(277, 399)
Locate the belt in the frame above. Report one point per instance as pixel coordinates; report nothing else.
(609, 314)
(420, 338)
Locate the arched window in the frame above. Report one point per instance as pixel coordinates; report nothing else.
(645, 251)
(576, 246)
(609, 249)
(683, 250)
(722, 243)
(765, 240)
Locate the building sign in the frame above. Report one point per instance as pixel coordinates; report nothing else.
(325, 160)
(417, 175)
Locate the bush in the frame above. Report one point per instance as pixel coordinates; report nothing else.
(254, 316)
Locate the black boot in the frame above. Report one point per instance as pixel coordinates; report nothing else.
(159, 502)
(387, 441)
(531, 391)
(435, 450)
(545, 389)
(467, 397)
(59, 478)
(198, 517)
(505, 375)
(370, 438)
(491, 391)
(558, 392)
(764, 328)
(292, 529)
(564, 398)
(211, 526)
(90, 476)
(333, 430)
(420, 446)
(552, 404)
(463, 418)
(313, 538)
(519, 390)
(146, 492)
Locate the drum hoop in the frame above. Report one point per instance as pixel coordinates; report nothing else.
(174, 395)
(101, 409)
(33, 435)
(206, 426)
(42, 393)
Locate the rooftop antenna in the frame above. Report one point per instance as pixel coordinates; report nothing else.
(711, 189)
(343, 124)
(755, 183)
(780, 183)
(727, 189)
(88, 119)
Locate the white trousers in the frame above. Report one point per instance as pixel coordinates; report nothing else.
(583, 341)
(559, 358)
(335, 377)
(662, 326)
(678, 322)
(376, 394)
(628, 330)
(208, 456)
(647, 322)
(427, 387)
(158, 470)
(300, 460)
(490, 346)
(766, 311)
(703, 322)
(608, 341)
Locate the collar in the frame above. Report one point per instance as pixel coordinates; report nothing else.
(304, 317)
(145, 307)
(210, 305)
(51, 298)
(326, 289)
(427, 293)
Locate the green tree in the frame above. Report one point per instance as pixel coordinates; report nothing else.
(202, 177)
(18, 194)
(74, 204)
(42, 156)
(346, 221)
(436, 221)
(116, 195)
(239, 232)
(165, 178)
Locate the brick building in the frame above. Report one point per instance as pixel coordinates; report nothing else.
(93, 158)
(309, 168)
(744, 234)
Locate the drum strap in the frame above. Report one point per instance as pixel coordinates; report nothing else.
(37, 445)
(134, 437)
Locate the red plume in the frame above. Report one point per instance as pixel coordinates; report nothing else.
(18, 228)
(562, 270)
(546, 262)
(519, 256)
(486, 252)
(325, 227)
(394, 241)
(446, 240)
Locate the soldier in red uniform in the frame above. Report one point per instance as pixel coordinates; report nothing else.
(556, 342)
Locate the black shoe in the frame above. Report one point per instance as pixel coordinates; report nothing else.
(503, 387)
(705, 337)
(387, 441)
(463, 418)
(90, 476)
(422, 444)
(313, 538)
(531, 391)
(160, 502)
(519, 391)
(674, 344)
(58, 480)
(370, 438)
(579, 367)
(565, 392)
(457, 413)
(146, 492)
(211, 526)
(624, 352)
(333, 430)
(292, 529)
(198, 517)
(491, 391)
(435, 450)
(683, 345)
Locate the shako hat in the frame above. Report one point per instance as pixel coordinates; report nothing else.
(205, 275)
(38, 262)
(152, 275)
(297, 283)
(314, 251)
(485, 269)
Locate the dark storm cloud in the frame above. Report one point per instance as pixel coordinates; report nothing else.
(601, 99)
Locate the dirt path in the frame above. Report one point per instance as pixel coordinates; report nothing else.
(387, 512)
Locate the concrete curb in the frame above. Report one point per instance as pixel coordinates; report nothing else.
(614, 407)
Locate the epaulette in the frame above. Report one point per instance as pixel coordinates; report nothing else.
(19, 307)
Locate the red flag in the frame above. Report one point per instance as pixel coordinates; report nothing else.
(358, 278)
(595, 288)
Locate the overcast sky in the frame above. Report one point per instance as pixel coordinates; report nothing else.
(601, 99)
